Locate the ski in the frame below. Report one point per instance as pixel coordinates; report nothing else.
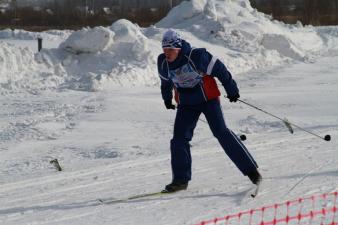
(134, 197)
(253, 192)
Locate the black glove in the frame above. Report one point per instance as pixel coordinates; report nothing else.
(169, 104)
(233, 98)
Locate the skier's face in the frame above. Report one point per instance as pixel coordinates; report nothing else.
(171, 53)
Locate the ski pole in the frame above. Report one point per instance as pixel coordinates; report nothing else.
(287, 123)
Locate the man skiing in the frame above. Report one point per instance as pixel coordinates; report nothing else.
(191, 72)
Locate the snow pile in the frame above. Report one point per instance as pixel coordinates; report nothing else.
(185, 11)
(129, 37)
(134, 59)
(22, 71)
(118, 55)
(198, 13)
(236, 26)
(14, 63)
(125, 54)
(50, 35)
(87, 60)
(283, 45)
(126, 31)
(329, 34)
(88, 40)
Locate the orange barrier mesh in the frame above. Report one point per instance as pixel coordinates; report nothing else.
(314, 210)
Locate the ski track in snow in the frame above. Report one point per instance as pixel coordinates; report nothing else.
(217, 187)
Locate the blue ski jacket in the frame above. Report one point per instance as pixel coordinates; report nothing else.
(192, 75)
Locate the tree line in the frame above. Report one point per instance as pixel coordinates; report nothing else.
(314, 12)
(73, 14)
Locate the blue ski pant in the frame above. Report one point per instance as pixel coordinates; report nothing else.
(185, 123)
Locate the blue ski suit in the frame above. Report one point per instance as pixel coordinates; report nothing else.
(191, 76)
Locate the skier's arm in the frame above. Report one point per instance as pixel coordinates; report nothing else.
(166, 83)
(210, 65)
(166, 89)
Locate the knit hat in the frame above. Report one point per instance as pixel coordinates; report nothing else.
(171, 39)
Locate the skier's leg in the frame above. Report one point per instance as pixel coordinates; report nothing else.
(185, 123)
(231, 144)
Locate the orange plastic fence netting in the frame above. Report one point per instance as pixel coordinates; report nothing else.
(314, 210)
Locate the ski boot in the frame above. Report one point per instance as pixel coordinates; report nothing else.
(176, 186)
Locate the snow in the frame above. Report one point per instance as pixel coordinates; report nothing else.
(91, 99)
(81, 41)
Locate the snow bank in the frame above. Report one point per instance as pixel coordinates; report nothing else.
(18, 34)
(236, 26)
(131, 38)
(232, 30)
(329, 35)
(125, 54)
(13, 64)
(21, 71)
(88, 40)
(282, 45)
(179, 14)
(50, 35)
(102, 57)
(126, 31)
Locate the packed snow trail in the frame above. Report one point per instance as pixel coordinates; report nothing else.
(135, 125)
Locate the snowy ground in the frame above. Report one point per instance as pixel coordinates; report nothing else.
(99, 112)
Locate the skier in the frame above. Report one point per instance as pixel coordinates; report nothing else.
(191, 72)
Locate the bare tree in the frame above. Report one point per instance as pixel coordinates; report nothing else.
(311, 13)
(277, 8)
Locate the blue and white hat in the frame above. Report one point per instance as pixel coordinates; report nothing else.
(171, 39)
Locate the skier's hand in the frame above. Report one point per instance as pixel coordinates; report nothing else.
(169, 105)
(233, 98)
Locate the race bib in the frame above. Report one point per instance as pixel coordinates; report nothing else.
(185, 77)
